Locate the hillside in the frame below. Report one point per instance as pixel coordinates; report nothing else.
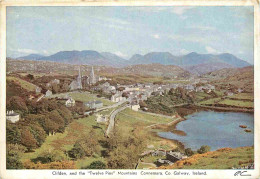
(206, 68)
(193, 62)
(241, 77)
(85, 57)
(164, 58)
(225, 158)
(157, 70)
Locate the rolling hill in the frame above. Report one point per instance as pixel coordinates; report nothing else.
(240, 77)
(193, 62)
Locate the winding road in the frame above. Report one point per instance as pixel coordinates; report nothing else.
(111, 125)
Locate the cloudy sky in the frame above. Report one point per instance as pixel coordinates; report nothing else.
(126, 31)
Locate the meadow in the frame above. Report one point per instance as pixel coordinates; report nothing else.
(84, 97)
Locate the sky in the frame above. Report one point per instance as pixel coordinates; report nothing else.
(126, 31)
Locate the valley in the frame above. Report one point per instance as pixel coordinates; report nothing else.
(113, 117)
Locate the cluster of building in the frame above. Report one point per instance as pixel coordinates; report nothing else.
(12, 116)
(84, 81)
(170, 156)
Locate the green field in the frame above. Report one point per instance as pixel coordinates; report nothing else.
(65, 141)
(237, 103)
(225, 159)
(210, 101)
(24, 84)
(245, 96)
(128, 120)
(84, 97)
(133, 117)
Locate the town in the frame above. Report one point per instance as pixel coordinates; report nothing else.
(98, 106)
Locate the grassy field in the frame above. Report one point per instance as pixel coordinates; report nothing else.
(127, 120)
(237, 103)
(210, 101)
(243, 96)
(65, 141)
(220, 159)
(237, 100)
(84, 97)
(24, 84)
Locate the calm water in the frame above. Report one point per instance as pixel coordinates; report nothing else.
(216, 129)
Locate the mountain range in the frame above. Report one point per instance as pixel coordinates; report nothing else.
(193, 62)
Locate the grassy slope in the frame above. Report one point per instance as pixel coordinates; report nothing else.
(84, 97)
(128, 120)
(76, 129)
(66, 140)
(24, 84)
(238, 100)
(237, 103)
(221, 159)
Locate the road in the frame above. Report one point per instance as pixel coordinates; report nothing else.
(111, 125)
(111, 106)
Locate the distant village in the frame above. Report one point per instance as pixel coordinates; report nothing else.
(133, 93)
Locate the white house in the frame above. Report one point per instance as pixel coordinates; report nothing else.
(135, 106)
(101, 118)
(12, 116)
(70, 102)
(239, 90)
(117, 98)
(94, 104)
(48, 93)
(38, 89)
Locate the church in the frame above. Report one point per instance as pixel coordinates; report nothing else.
(83, 81)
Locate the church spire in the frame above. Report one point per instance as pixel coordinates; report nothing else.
(79, 80)
(92, 76)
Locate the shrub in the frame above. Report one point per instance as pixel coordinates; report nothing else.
(96, 165)
(77, 151)
(189, 152)
(203, 149)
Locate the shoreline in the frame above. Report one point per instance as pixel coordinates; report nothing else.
(171, 127)
(224, 109)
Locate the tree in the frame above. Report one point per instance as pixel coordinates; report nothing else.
(203, 149)
(28, 140)
(77, 151)
(172, 91)
(55, 117)
(189, 152)
(55, 88)
(66, 114)
(96, 165)
(30, 76)
(125, 94)
(142, 104)
(50, 126)
(121, 88)
(38, 133)
(13, 133)
(50, 156)
(13, 155)
(17, 103)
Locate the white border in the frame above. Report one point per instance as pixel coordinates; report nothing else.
(6, 174)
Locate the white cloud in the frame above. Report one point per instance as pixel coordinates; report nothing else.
(181, 10)
(111, 20)
(211, 50)
(188, 38)
(184, 51)
(45, 52)
(120, 54)
(202, 27)
(149, 8)
(156, 36)
(28, 51)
